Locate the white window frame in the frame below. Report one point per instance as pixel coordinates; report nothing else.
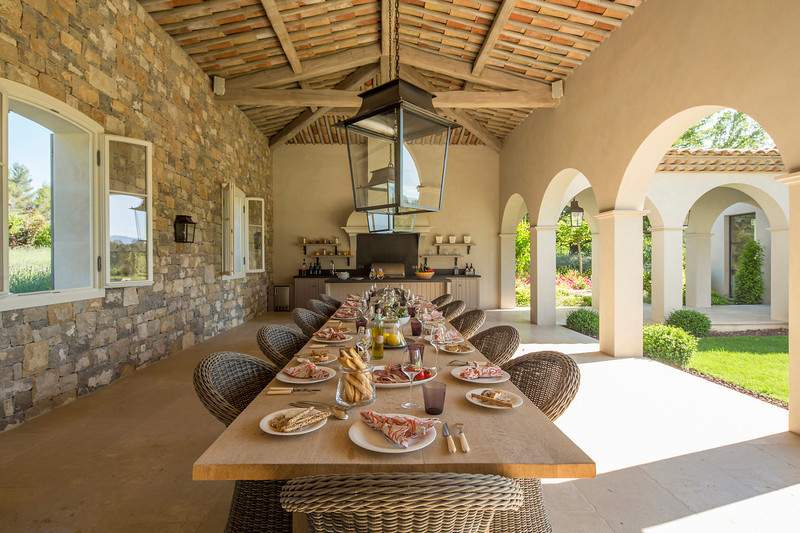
(10, 90)
(247, 201)
(229, 239)
(107, 139)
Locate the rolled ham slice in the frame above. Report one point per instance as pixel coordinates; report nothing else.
(473, 372)
(398, 429)
(306, 371)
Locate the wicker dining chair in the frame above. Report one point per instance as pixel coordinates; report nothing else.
(330, 300)
(226, 382)
(497, 344)
(309, 322)
(453, 309)
(394, 503)
(550, 380)
(469, 323)
(280, 343)
(444, 299)
(318, 306)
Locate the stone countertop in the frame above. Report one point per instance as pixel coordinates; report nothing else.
(439, 278)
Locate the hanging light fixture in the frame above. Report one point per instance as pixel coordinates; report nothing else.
(575, 214)
(392, 116)
(184, 228)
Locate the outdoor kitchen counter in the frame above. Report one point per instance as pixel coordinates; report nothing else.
(439, 278)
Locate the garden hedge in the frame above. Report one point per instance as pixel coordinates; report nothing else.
(585, 321)
(692, 322)
(669, 344)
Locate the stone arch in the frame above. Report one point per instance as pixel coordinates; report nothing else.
(515, 209)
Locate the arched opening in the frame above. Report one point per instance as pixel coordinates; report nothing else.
(514, 261)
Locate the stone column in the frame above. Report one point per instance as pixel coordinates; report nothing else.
(779, 274)
(667, 272)
(595, 270)
(620, 281)
(793, 181)
(543, 275)
(508, 262)
(698, 269)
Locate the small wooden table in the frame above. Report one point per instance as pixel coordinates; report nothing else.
(518, 443)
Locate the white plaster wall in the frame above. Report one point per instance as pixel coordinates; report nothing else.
(313, 198)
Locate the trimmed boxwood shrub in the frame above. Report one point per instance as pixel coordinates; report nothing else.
(669, 344)
(585, 321)
(748, 283)
(692, 322)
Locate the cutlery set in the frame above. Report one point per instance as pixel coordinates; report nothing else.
(462, 438)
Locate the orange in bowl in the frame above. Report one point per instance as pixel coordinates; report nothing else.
(425, 275)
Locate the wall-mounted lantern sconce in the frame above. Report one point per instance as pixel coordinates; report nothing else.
(184, 228)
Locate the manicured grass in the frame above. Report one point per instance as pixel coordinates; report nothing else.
(759, 364)
(29, 269)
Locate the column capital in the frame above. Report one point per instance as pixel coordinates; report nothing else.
(543, 227)
(778, 229)
(665, 228)
(699, 234)
(506, 235)
(792, 178)
(620, 213)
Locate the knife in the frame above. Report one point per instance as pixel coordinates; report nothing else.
(287, 390)
(451, 445)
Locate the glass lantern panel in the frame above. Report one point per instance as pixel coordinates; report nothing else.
(373, 171)
(422, 184)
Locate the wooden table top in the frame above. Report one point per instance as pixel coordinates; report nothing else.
(517, 443)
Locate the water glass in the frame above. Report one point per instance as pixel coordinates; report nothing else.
(433, 393)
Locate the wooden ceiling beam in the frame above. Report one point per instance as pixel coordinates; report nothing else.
(350, 99)
(352, 81)
(463, 70)
(461, 117)
(276, 20)
(315, 67)
(500, 20)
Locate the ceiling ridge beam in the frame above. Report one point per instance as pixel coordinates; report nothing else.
(500, 20)
(276, 20)
(313, 68)
(354, 80)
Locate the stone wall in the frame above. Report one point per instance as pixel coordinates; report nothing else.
(111, 61)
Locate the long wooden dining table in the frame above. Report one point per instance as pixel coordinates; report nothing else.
(516, 443)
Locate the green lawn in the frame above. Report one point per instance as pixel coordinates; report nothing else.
(759, 364)
(29, 269)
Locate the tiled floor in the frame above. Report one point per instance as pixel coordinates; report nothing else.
(674, 452)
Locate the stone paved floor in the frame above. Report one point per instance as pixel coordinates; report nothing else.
(674, 452)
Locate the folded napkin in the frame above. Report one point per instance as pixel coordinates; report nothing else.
(431, 315)
(398, 429)
(473, 372)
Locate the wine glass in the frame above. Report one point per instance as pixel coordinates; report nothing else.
(438, 339)
(363, 343)
(411, 368)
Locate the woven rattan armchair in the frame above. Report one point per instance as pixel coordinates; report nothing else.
(318, 306)
(550, 380)
(453, 309)
(469, 323)
(330, 300)
(394, 503)
(280, 343)
(226, 382)
(309, 322)
(444, 299)
(498, 344)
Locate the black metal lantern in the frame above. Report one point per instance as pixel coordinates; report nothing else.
(184, 228)
(575, 214)
(385, 223)
(385, 177)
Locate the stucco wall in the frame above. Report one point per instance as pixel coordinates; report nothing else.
(314, 197)
(111, 61)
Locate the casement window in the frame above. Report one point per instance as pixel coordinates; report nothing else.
(76, 208)
(242, 232)
(128, 170)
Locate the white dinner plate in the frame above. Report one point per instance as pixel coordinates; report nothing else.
(332, 359)
(471, 349)
(264, 424)
(372, 439)
(399, 385)
(516, 401)
(455, 340)
(286, 378)
(345, 339)
(487, 381)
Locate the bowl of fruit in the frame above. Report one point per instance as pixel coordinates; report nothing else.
(425, 274)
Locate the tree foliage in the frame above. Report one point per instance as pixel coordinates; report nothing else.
(523, 248)
(726, 129)
(748, 285)
(29, 209)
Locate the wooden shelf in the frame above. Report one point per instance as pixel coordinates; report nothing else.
(306, 245)
(331, 256)
(464, 244)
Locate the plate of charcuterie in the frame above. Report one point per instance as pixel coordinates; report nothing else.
(392, 433)
(480, 374)
(305, 373)
(331, 336)
(392, 377)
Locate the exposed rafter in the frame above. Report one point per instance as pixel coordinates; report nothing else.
(357, 78)
(276, 20)
(500, 20)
